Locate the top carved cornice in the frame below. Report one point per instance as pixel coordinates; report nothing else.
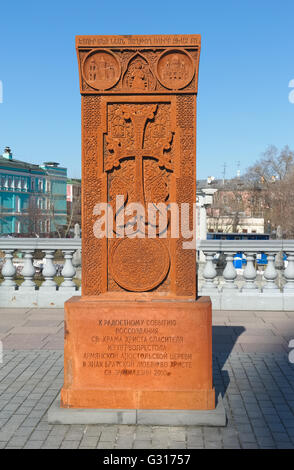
(155, 64)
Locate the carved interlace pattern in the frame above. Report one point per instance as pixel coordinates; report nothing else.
(92, 194)
(185, 111)
(185, 259)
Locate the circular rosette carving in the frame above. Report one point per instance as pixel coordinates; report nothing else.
(139, 264)
(175, 69)
(101, 69)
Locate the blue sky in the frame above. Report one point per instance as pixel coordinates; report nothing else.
(246, 63)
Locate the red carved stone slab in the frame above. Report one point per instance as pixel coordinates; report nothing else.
(138, 338)
(138, 141)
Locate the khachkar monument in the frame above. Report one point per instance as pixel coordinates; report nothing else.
(138, 339)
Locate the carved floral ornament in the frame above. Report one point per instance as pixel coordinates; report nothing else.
(104, 70)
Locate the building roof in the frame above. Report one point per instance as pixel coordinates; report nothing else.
(47, 168)
(228, 185)
(73, 181)
(18, 164)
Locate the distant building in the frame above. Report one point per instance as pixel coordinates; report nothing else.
(236, 207)
(73, 201)
(204, 199)
(225, 224)
(32, 197)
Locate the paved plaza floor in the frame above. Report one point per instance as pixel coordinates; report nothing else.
(252, 370)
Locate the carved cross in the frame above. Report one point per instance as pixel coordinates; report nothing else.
(118, 152)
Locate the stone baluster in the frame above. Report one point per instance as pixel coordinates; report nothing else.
(229, 272)
(270, 273)
(209, 272)
(49, 270)
(68, 270)
(8, 270)
(77, 259)
(28, 270)
(289, 273)
(249, 274)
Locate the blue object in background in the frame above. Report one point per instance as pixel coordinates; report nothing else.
(261, 258)
(239, 260)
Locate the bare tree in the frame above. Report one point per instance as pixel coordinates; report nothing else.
(228, 207)
(73, 217)
(32, 218)
(272, 182)
(274, 166)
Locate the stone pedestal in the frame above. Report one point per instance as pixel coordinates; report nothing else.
(132, 354)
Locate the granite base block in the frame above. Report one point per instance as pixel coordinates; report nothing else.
(216, 417)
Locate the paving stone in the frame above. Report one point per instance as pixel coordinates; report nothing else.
(265, 441)
(231, 443)
(179, 436)
(108, 435)
(177, 445)
(88, 441)
(39, 435)
(105, 445)
(50, 446)
(249, 445)
(33, 445)
(285, 445)
(18, 441)
(70, 444)
(246, 437)
(93, 431)
(213, 445)
(142, 444)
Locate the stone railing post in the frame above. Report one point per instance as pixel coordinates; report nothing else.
(68, 270)
(289, 273)
(49, 270)
(8, 270)
(270, 273)
(229, 272)
(249, 274)
(209, 272)
(28, 270)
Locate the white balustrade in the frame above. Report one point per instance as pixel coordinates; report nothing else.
(289, 273)
(26, 293)
(8, 270)
(28, 269)
(236, 286)
(49, 270)
(270, 297)
(249, 274)
(68, 271)
(209, 272)
(229, 272)
(270, 274)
